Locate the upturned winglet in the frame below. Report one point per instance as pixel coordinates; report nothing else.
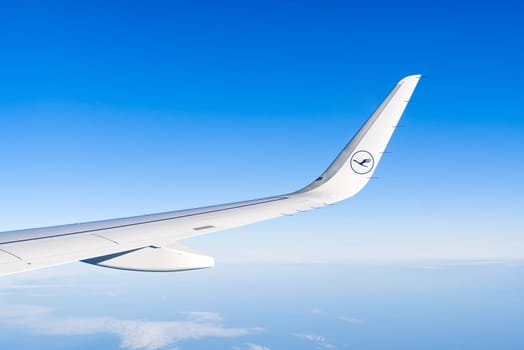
(355, 165)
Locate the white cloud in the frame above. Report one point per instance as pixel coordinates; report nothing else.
(38, 280)
(257, 347)
(349, 319)
(317, 311)
(133, 334)
(202, 316)
(319, 340)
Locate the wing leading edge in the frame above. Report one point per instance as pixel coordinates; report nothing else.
(149, 242)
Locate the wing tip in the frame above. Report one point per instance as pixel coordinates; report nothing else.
(410, 78)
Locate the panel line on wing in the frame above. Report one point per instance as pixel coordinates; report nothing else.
(207, 227)
(13, 255)
(106, 238)
(146, 222)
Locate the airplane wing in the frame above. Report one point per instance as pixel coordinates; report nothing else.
(150, 242)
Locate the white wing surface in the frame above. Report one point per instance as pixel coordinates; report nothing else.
(149, 242)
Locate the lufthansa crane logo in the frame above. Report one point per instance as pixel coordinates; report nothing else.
(362, 162)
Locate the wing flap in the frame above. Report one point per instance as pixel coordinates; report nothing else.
(156, 259)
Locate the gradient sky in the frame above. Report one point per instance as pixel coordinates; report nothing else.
(113, 109)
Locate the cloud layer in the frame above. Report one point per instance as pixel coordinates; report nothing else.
(319, 340)
(133, 334)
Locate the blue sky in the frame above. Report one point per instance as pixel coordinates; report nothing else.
(120, 108)
(111, 109)
(114, 109)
